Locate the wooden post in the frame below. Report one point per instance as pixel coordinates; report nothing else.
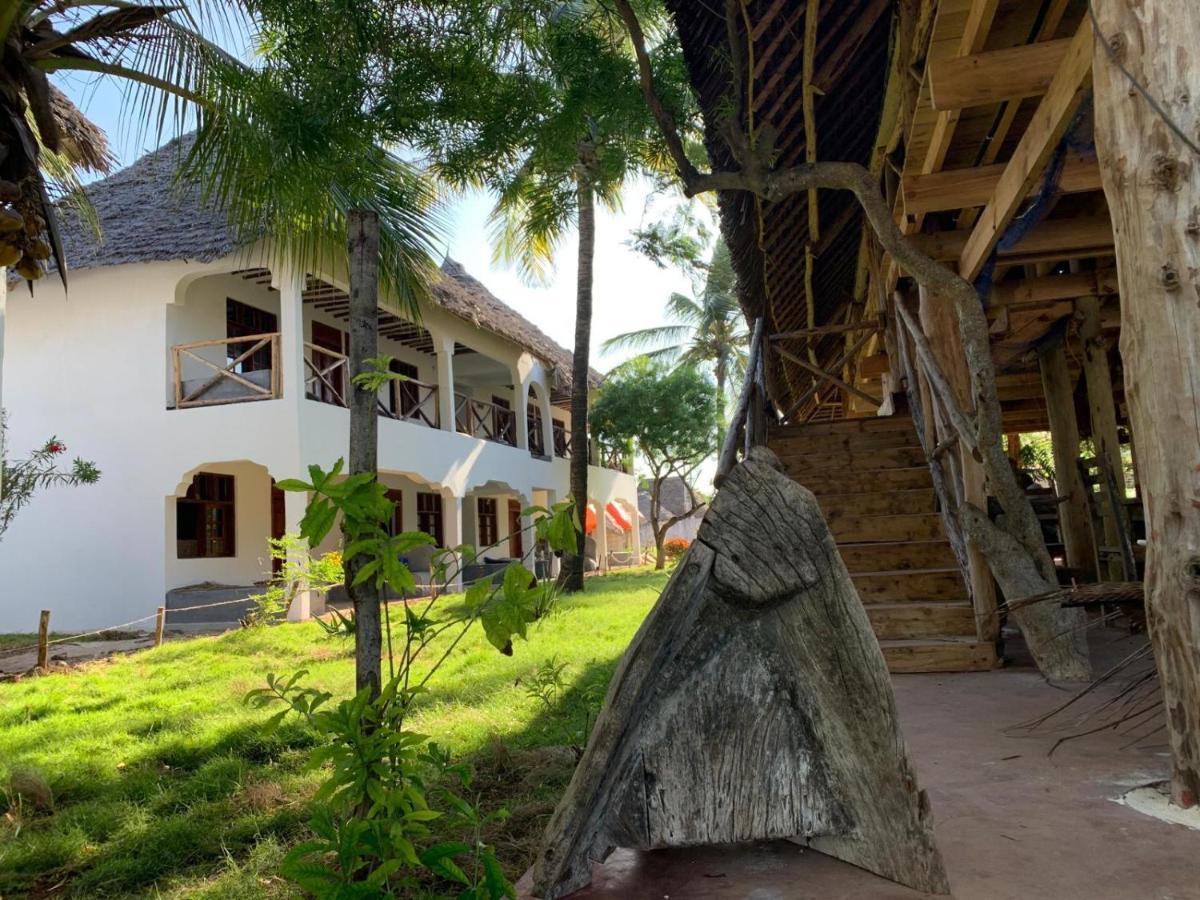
(43, 652)
(1013, 446)
(1152, 182)
(944, 359)
(1103, 411)
(362, 227)
(1064, 435)
(160, 621)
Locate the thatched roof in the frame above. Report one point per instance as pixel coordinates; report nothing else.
(146, 216)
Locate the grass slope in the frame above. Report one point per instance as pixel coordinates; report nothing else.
(164, 784)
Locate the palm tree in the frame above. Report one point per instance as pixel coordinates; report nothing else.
(282, 152)
(709, 332)
(588, 131)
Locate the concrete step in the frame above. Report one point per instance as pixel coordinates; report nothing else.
(911, 585)
(904, 527)
(898, 556)
(907, 621)
(938, 655)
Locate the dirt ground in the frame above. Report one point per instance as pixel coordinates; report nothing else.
(1012, 822)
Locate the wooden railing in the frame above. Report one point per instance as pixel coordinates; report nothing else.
(327, 378)
(537, 437)
(562, 442)
(251, 374)
(482, 419)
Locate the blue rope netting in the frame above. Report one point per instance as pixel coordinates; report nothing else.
(1080, 139)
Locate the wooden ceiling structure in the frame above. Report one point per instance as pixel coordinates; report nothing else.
(975, 117)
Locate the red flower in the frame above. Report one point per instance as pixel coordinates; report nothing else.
(56, 447)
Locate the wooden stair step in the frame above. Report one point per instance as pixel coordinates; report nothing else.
(920, 585)
(885, 458)
(903, 527)
(865, 425)
(938, 655)
(832, 443)
(890, 556)
(901, 621)
(917, 500)
(857, 481)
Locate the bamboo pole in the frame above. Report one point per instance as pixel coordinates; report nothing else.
(728, 455)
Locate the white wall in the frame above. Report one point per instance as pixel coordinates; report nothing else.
(91, 369)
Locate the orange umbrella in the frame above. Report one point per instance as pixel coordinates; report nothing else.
(613, 510)
(589, 521)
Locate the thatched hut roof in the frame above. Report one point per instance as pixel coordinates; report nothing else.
(147, 216)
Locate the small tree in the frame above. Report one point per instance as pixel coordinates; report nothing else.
(22, 478)
(669, 416)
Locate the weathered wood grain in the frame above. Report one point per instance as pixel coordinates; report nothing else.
(753, 703)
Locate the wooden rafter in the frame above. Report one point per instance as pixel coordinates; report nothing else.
(1029, 160)
(982, 79)
(960, 188)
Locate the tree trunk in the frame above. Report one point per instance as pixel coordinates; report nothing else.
(573, 565)
(1152, 181)
(362, 229)
(660, 556)
(754, 703)
(722, 377)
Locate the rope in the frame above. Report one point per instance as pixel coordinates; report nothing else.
(1138, 86)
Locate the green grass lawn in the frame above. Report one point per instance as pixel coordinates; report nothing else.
(164, 784)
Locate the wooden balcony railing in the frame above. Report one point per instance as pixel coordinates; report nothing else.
(250, 372)
(482, 419)
(562, 442)
(537, 437)
(326, 379)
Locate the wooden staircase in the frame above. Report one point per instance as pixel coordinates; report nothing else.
(872, 481)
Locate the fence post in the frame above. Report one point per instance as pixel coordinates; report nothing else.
(160, 619)
(43, 653)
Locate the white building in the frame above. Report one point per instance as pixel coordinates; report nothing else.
(195, 373)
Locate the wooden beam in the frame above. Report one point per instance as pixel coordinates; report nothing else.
(1100, 283)
(831, 378)
(960, 188)
(1037, 145)
(820, 330)
(1090, 236)
(1073, 514)
(982, 79)
(843, 55)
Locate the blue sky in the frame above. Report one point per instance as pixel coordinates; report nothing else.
(629, 290)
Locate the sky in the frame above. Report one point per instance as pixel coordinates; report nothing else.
(629, 290)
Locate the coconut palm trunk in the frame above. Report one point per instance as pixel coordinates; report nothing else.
(573, 571)
(722, 376)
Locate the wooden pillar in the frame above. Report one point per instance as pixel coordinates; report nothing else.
(1103, 412)
(1073, 512)
(1152, 182)
(941, 328)
(1013, 446)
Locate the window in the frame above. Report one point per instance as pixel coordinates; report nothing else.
(486, 522)
(533, 420)
(429, 515)
(204, 518)
(242, 320)
(396, 525)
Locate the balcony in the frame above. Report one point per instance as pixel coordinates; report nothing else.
(226, 370)
(407, 400)
(481, 419)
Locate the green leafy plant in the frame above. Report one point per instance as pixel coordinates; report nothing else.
(386, 785)
(21, 479)
(297, 572)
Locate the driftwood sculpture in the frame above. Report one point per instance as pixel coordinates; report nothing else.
(754, 703)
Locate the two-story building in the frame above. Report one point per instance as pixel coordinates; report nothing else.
(196, 373)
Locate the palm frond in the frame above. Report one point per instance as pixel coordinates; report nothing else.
(653, 338)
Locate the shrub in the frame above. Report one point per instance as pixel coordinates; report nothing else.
(674, 548)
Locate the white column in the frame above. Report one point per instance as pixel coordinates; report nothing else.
(306, 603)
(601, 536)
(521, 410)
(543, 401)
(290, 284)
(452, 536)
(444, 347)
(554, 564)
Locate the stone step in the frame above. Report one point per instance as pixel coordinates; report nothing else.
(907, 621)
